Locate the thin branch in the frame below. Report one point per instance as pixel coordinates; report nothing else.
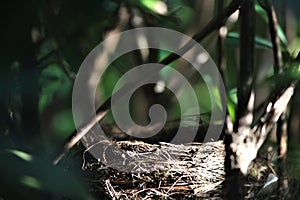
(273, 27)
(272, 113)
(55, 54)
(221, 59)
(102, 110)
(220, 42)
(281, 131)
(65, 66)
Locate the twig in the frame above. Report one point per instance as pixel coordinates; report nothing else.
(65, 66)
(220, 42)
(281, 131)
(102, 110)
(272, 113)
(59, 60)
(273, 27)
(110, 189)
(221, 59)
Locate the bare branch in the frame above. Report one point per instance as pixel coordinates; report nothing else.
(65, 66)
(273, 27)
(220, 42)
(272, 113)
(281, 131)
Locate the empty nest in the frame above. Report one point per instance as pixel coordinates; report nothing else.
(137, 170)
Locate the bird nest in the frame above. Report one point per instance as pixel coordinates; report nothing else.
(137, 170)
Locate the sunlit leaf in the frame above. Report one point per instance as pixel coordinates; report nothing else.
(216, 97)
(281, 35)
(30, 181)
(294, 47)
(233, 95)
(158, 9)
(21, 154)
(231, 103)
(150, 3)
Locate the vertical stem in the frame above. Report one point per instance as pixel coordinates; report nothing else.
(221, 60)
(281, 131)
(246, 69)
(273, 27)
(234, 179)
(219, 4)
(234, 183)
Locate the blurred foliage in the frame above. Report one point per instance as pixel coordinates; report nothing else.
(43, 45)
(33, 177)
(262, 13)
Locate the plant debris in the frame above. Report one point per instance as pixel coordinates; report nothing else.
(140, 170)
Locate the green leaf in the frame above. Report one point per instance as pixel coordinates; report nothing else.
(204, 99)
(294, 48)
(30, 182)
(55, 85)
(109, 80)
(216, 97)
(233, 40)
(262, 13)
(291, 73)
(63, 123)
(21, 154)
(231, 103)
(282, 36)
(150, 3)
(153, 7)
